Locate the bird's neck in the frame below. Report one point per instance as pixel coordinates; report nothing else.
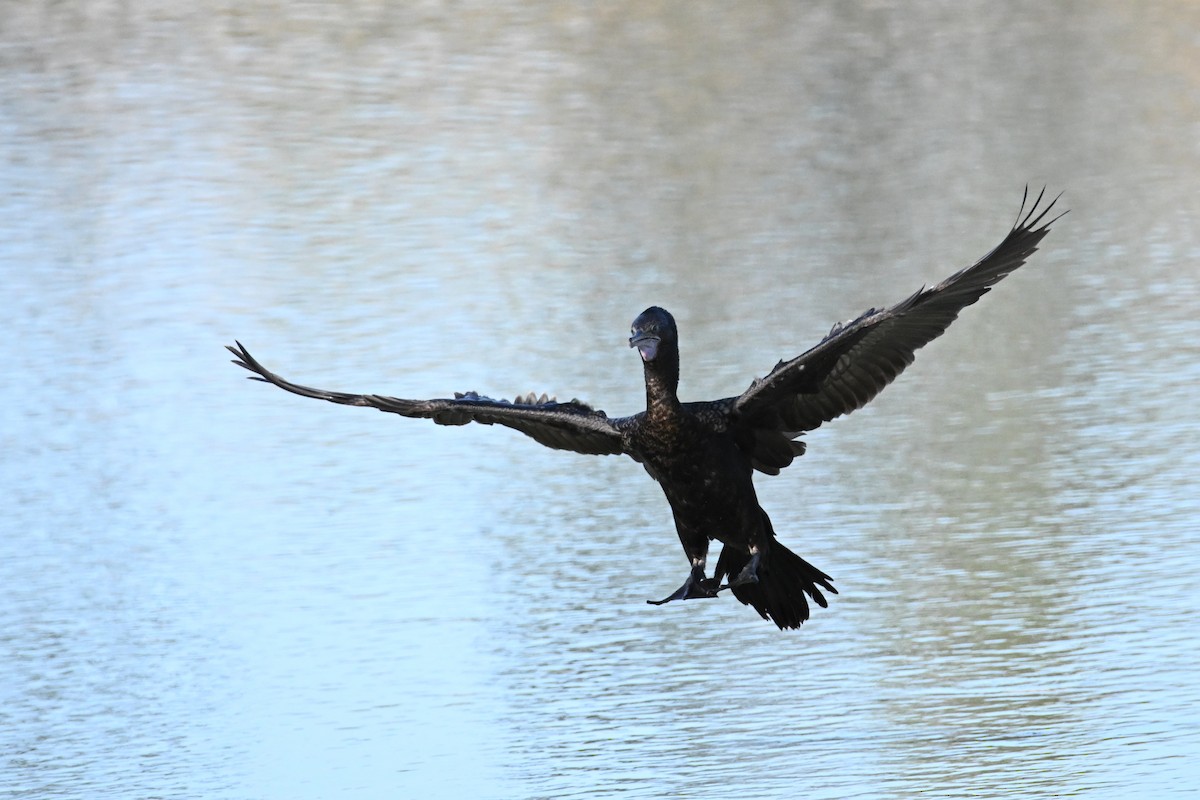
(662, 385)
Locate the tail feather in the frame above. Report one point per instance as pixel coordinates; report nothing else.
(784, 580)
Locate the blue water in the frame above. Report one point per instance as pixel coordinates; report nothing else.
(209, 588)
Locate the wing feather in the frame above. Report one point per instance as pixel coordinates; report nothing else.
(572, 425)
(851, 365)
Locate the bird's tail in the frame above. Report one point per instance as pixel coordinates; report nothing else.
(784, 579)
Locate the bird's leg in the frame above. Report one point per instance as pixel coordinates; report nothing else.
(749, 573)
(696, 585)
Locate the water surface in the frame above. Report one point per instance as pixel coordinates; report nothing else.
(212, 589)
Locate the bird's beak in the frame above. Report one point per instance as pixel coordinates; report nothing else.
(646, 343)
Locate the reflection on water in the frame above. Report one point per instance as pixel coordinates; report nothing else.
(208, 588)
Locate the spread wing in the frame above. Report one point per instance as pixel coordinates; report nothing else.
(563, 426)
(859, 358)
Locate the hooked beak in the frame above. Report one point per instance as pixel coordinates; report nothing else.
(646, 343)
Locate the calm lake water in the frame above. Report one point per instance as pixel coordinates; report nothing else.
(211, 589)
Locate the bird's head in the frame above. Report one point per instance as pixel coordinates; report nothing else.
(653, 328)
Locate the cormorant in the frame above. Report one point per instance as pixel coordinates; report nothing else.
(704, 454)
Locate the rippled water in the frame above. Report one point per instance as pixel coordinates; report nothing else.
(210, 589)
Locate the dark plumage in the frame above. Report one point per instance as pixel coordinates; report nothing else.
(704, 454)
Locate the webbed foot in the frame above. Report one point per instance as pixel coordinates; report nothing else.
(749, 574)
(695, 586)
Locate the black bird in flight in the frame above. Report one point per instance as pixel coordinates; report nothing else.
(704, 454)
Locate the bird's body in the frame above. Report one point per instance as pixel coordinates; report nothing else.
(704, 454)
(704, 475)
